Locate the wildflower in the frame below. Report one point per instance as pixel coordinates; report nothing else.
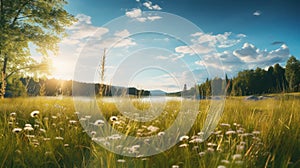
(211, 144)
(17, 130)
(121, 161)
(113, 118)
(47, 139)
(184, 138)
(59, 138)
(82, 119)
(175, 166)
(13, 114)
(201, 154)
(196, 140)
(183, 145)
(77, 113)
(237, 157)
(152, 128)
(72, 121)
(221, 166)
(30, 136)
(54, 117)
(256, 132)
(225, 161)
(210, 149)
(217, 132)
(230, 132)
(88, 116)
(225, 125)
(200, 133)
(99, 123)
(36, 125)
(28, 128)
(34, 113)
(93, 133)
(42, 130)
(161, 133)
(66, 145)
(115, 137)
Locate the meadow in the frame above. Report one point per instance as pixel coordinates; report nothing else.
(43, 132)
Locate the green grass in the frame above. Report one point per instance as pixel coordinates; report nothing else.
(262, 133)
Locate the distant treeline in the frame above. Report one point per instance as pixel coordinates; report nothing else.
(275, 79)
(54, 87)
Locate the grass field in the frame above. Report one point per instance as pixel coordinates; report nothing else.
(263, 133)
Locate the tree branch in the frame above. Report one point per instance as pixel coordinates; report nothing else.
(18, 13)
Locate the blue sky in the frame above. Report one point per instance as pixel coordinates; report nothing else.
(235, 35)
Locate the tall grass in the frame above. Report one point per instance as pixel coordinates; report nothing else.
(250, 134)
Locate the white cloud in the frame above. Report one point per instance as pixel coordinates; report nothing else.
(83, 28)
(123, 33)
(150, 6)
(194, 49)
(134, 13)
(203, 43)
(141, 19)
(152, 18)
(257, 13)
(247, 57)
(156, 7)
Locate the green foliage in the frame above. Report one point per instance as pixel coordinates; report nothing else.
(259, 81)
(25, 22)
(292, 74)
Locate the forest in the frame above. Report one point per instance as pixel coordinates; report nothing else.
(276, 79)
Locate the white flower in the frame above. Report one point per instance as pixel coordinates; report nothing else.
(152, 128)
(211, 144)
(256, 132)
(221, 166)
(225, 161)
(34, 113)
(28, 128)
(230, 132)
(59, 138)
(13, 114)
(93, 133)
(121, 160)
(113, 118)
(237, 157)
(88, 117)
(17, 130)
(225, 125)
(99, 123)
(161, 133)
(175, 166)
(184, 138)
(72, 121)
(201, 154)
(210, 149)
(183, 145)
(28, 125)
(196, 140)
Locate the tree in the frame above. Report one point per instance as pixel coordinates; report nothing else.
(292, 73)
(24, 22)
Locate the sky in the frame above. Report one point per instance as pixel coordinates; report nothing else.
(164, 44)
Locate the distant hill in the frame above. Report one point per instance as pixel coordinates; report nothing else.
(157, 93)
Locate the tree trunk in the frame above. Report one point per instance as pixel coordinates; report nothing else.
(3, 78)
